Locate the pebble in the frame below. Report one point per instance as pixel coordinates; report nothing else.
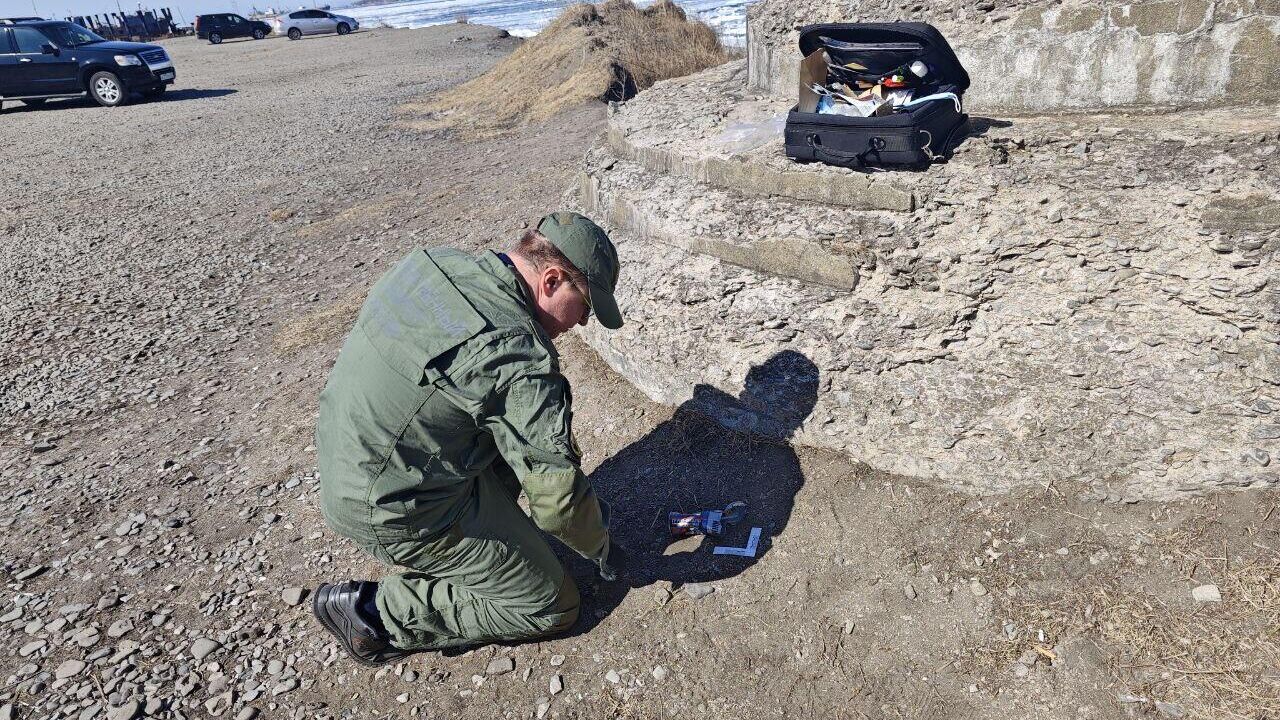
(69, 668)
(127, 711)
(697, 591)
(659, 673)
(909, 591)
(613, 677)
(293, 596)
(287, 686)
(29, 573)
(31, 648)
(1207, 594)
(977, 588)
(248, 713)
(544, 704)
(119, 629)
(557, 660)
(1169, 709)
(203, 647)
(557, 684)
(500, 666)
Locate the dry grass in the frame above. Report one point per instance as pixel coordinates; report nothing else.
(1217, 661)
(322, 326)
(590, 53)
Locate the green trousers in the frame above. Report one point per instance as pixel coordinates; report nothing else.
(490, 578)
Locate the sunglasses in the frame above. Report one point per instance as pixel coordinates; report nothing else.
(586, 300)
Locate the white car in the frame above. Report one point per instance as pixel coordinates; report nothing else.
(310, 22)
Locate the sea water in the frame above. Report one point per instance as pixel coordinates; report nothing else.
(526, 17)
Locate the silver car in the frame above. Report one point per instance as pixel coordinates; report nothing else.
(311, 22)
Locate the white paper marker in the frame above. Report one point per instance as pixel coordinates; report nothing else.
(749, 551)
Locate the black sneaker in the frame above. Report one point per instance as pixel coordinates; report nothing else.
(336, 607)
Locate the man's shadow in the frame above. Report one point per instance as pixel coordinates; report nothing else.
(692, 463)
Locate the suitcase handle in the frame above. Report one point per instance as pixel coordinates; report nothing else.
(875, 144)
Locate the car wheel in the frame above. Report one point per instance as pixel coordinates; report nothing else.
(215, 38)
(295, 34)
(34, 102)
(343, 28)
(258, 34)
(107, 90)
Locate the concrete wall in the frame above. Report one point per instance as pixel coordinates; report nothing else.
(1073, 55)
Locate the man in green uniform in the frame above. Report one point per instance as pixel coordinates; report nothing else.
(446, 401)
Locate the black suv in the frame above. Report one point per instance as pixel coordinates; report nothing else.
(224, 26)
(45, 59)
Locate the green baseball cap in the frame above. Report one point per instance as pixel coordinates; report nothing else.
(590, 250)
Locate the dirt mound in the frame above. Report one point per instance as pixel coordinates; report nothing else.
(591, 52)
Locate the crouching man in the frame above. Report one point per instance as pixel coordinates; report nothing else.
(445, 401)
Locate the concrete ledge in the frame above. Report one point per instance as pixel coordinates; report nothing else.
(698, 128)
(815, 244)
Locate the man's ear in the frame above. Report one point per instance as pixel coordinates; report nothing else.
(551, 278)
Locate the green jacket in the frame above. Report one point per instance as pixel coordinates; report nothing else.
(446, 374)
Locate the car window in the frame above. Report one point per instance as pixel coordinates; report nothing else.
(69, 35)
(29, 40)
(5, 49)
(301, 14)
(316, 15)
(235, 19)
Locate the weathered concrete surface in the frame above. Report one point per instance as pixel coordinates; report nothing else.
(823, 245)
(1077, 54)
(1089, 298)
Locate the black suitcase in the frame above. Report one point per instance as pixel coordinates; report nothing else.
(909, 137)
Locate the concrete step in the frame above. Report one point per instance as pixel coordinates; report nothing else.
(707, 128)
(811, 242)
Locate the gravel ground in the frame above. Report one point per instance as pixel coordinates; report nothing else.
(177, 278)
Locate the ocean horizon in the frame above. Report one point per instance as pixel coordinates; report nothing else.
(526, 18)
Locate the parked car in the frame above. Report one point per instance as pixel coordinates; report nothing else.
(311, 22)
(225, 26)
(46, 59)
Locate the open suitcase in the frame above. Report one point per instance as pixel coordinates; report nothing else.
(910, 136)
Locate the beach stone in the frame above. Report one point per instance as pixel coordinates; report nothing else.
(203, 647)
(556, 686)
(31, 648)
(697, 591)
(557, 660)
(500, 666)
(1206, 594)
(127, 711)
(69, 668)
(293, 596)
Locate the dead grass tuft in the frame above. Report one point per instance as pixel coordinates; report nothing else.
(281, 214)
(605, 52)
(325, 325)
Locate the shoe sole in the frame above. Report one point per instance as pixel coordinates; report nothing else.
(337, 628)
